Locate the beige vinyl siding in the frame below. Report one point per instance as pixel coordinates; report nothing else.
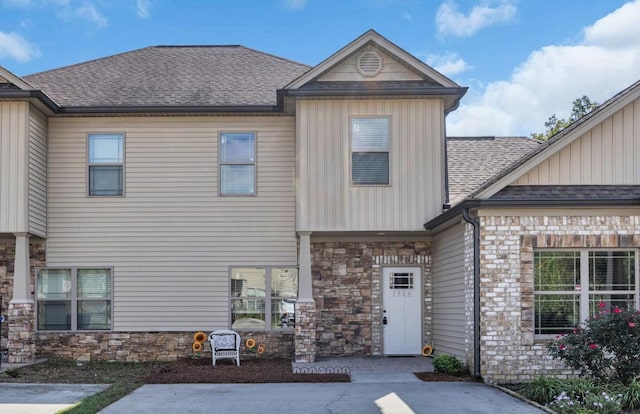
(37, 172)
(171, 238)
(392, 69)
(328, 202)
(607, 154)
(449, 292)
(13, 166)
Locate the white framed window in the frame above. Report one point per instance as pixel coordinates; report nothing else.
(237, 161)
(263, 298)
(370, 148)
(73, 299)
(106, 164)
(570, 284)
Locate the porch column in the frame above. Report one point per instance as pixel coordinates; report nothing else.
(21, 307)
(305, 331)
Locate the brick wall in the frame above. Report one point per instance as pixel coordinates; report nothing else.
(510, 352)
(348, 292)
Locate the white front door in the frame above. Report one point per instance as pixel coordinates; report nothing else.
(402, 310)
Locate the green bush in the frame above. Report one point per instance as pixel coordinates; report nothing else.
(631, 396)
(542, 390)
(448, 364)
(607, 348)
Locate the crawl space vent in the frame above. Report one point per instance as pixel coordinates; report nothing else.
(369, 64)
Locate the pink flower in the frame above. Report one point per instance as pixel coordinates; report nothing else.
(562, 347)
(601, 305)
(593, 346)
(617, 310)
(632, 324)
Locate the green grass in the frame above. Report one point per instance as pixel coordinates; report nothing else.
(97, 402)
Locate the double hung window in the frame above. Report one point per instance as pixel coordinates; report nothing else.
(370, 148)
(71, 299)
(106, 164)
(263, 298)
(569, 286)
(237, 163)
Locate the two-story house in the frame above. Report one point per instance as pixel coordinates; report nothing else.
(320, 210)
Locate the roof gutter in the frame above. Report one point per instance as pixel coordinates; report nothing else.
(475, 222)
(557, 202)
(165, 109)
(31, 94)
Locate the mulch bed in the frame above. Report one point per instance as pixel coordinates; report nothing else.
(201, 371)
(437, 377)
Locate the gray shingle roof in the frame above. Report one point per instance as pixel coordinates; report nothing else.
(171, 76)
(568, 192)
(474, 160)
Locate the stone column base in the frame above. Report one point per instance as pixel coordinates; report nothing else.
(305, 338)
(22, 347)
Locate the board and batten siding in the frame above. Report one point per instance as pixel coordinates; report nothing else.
(171, 238)
(392, 69)
(448, 317)
(607, 154)
(13, 167)
(37, 172)
(326, 199)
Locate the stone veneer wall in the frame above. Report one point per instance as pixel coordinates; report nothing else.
(347, 288)
(510, 351)
(7, 260)
(148, 346)
(469, 282)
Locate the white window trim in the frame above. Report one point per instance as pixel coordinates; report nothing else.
(73, 298)
(255, 163)
(351, 118)
(267, 297)
(89, 164)
(584, 281)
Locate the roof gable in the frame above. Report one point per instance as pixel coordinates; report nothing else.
(7, 77)
(330, 68)
(565, 139)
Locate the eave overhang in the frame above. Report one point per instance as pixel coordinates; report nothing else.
(473, 204)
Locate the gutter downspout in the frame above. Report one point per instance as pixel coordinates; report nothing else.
(475, 222)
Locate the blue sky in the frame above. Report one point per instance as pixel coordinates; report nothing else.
(521, 59)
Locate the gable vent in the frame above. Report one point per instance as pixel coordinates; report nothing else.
(369, 64)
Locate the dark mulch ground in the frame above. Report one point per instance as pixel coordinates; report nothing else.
(433, 376)
(194, 371)
(184, 371)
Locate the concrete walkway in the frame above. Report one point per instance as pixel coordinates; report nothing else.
(379, 385)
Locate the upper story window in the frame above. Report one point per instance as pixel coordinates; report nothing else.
(237, 163)
(370, 151)
(106, 164)
(570, 285)
(72, 299)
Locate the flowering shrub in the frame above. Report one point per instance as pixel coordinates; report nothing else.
(590, 403)
(608, 347)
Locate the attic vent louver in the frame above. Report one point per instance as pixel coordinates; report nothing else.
(369, 64)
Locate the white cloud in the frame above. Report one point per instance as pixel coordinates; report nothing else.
(448, 64)
(451, 22)
(295, 4)
(143, 8)
(603, 62)
(16, 47)
(89, 12)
